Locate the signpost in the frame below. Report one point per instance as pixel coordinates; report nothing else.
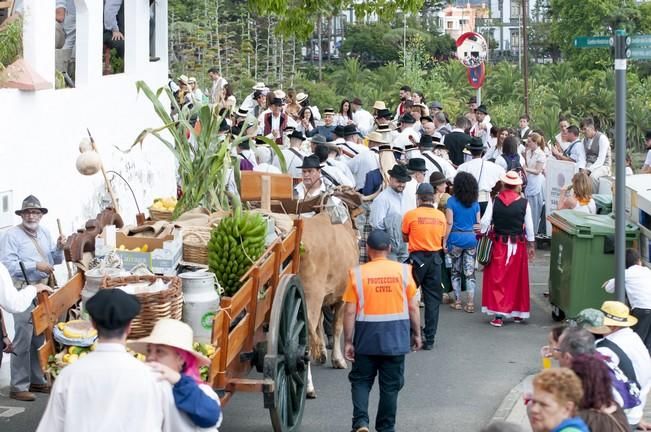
(636, 48)
(592, 42)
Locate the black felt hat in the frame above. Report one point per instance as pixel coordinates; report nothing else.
(350, 129)
(426, 141)
(399, 173)
(475, 144)
(416, 164)
(297, 134)
(482, 109)
(407, 118)
(311, 161)
(112, 308)
(384, 113)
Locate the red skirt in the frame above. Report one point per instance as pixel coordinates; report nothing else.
(505, 289)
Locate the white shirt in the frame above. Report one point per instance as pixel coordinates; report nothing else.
(177, 421)
(487, 220)
(535, 182)
(267, 168)
(629, 342)
(364, 121)
(577, 153)
(564, 144)
(490, 173)
(387, 202)
(403, 138)
(590, 207)
(604, 149)
(637, 281)
(292, 161)
(361, 165)
(410, 194)
(343, 167)
(299, 191)
(12, 300)
(106, 391)
(647, 161)
(337, 175)
(484, 132)
(448, 170)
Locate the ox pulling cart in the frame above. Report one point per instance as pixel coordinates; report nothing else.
(263, 326)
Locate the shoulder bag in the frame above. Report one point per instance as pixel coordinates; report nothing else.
(485, 246)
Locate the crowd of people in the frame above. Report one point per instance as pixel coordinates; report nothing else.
(603, 376)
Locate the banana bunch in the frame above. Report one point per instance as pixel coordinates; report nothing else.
(234, 245)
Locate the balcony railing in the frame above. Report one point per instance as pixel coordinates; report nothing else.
(496, 22)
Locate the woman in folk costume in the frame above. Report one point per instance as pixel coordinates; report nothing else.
(509, 224)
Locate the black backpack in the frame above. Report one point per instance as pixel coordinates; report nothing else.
(513, 164)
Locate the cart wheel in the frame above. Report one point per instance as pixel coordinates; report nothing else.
(286, 360)
(557, 314)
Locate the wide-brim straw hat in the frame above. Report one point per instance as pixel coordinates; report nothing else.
(616, 314)
(301, 97)
(172, 333)
(379, 105)
(511, 178)
(377, 137)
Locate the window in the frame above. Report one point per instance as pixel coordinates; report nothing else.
(515, 39)
(463, 22)
(450, 25)
(515, 8)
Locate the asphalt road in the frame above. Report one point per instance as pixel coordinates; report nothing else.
(455, 387)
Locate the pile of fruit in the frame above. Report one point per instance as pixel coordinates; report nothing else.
(77, 329)
(207, 350)
(69, 355)
(164, 204)
(143, 248)
(234, 245)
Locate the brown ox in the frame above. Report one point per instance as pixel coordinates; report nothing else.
(329, 252)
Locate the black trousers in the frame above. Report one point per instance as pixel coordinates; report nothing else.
(390, 371)
(426, 269)
(643, 326)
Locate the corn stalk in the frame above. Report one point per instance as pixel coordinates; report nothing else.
(203, 154)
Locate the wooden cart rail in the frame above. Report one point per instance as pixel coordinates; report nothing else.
(240, 322)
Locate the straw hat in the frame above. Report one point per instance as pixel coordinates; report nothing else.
(379, 105)
(279, 94)
(192, 80)
(173, 333)
(183, 79)
(616, 314)
(376, 137)
(511, 178)
(259, 86)
(301, 97)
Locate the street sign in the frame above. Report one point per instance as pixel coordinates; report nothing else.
(639, 53)
(640, 41)
(592, 42)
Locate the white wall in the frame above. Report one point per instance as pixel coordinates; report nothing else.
(40, 131)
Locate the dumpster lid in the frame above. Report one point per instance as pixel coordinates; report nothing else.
(583, 224)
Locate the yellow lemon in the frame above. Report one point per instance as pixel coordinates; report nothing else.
(144, 247)
(73, 358)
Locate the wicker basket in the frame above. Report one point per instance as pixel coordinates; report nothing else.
(158, 215)
(153, 306)
(195, 244)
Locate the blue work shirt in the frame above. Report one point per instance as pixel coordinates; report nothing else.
(17, 246)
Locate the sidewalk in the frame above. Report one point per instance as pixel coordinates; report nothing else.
(513, 410)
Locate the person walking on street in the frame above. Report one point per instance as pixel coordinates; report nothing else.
(462, 214)
(508, 223)
(30, 244)
(380, 309)
(424, 229)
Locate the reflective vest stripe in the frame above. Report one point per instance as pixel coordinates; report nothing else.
(362, 316)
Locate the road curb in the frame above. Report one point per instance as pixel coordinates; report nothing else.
(510, 401)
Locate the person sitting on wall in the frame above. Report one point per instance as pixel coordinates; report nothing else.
(114, 25)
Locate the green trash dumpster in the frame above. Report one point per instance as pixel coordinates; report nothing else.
(582, 259)
(604, 203)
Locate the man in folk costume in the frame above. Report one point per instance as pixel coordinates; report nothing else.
(405, 95)
(327, 129)
(597, 152)
(312, 184)
(32, 245)
(417, 169)
(364, 160)
(482, 128)
(376, 179)
(333, 154)
(388, 208)
(408, 136)
(434, 162)
(293, 155)
(508, 222)
(331, 175)
(275, 121)
(249, 102)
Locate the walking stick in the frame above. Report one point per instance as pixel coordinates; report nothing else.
(67, 263)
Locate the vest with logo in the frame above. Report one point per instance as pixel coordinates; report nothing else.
(382, 325)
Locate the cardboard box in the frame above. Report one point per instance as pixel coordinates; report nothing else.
(162, 257)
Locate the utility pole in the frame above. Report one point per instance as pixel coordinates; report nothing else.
(621, 45)
(404, 39)
(525, 55)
